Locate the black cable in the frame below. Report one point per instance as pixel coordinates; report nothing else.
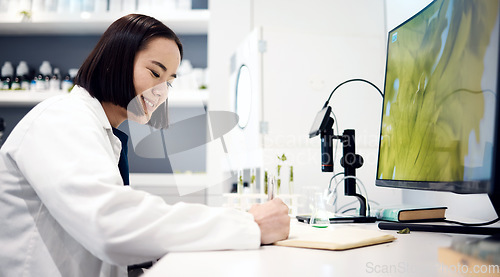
(353, 202)
(348, 210)
(330, 184)
(473, 224)
(326, 105)
(348, 81)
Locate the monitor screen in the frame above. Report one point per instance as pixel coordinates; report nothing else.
(439, 114)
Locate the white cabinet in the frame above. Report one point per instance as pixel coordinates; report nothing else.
(167, 186)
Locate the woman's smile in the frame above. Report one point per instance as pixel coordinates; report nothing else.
(148, 104)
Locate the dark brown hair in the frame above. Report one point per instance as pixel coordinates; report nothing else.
(107, 73)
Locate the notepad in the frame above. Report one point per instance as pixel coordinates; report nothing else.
(333, 238)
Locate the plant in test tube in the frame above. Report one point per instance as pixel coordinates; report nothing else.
(282, 160)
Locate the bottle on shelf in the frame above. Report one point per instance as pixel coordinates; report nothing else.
(69, 79)
(43, 78)
(22, 74)
(16, 84)
(7, 75)
(33, 83)
(55, 80)
(47, 82)
(66, 83)
(39, 83)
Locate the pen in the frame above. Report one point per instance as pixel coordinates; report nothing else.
(270, 190)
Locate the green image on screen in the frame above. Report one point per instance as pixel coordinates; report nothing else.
(440, 94)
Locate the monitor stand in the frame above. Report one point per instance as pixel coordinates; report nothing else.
(456, 229)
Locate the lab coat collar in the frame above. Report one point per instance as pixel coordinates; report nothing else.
(78, 91)
(96, 105)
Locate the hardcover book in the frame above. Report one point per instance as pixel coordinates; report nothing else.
(405, 213)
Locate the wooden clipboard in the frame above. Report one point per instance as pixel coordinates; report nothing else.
(333, 237)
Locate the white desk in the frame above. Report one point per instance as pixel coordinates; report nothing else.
(413, 254)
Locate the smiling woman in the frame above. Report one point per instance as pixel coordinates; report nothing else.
(64, 172)
(136, 53)
(154, 72)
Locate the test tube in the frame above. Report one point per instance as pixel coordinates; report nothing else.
(239, 187)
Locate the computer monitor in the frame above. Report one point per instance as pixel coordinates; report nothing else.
(440, 117)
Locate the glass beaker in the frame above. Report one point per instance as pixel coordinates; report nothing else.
(320, 216)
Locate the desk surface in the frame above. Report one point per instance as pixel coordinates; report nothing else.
(413, 254)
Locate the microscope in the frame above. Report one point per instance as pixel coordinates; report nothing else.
(350, 161)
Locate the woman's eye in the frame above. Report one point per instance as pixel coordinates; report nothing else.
(155, 74)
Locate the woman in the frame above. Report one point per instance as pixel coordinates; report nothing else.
(63, 204)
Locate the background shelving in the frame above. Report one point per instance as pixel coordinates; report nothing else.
(66, 39)
(182, 21)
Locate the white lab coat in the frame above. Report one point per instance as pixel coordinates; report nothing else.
(65, 212)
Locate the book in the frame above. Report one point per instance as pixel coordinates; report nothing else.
(342, 238)
(406, 213)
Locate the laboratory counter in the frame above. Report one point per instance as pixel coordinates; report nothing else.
(414, 254)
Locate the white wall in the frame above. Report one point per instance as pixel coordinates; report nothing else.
(308, 56)
(398, 11)
(311, 48)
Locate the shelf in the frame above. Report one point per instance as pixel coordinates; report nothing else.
(181, 21)
(21, 98)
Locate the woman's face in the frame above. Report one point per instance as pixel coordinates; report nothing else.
(155, 69)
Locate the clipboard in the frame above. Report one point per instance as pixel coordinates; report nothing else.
(336, 238)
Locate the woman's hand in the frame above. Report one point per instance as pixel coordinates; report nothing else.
(273, 220)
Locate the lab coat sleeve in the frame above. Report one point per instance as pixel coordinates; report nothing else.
(77, 179)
